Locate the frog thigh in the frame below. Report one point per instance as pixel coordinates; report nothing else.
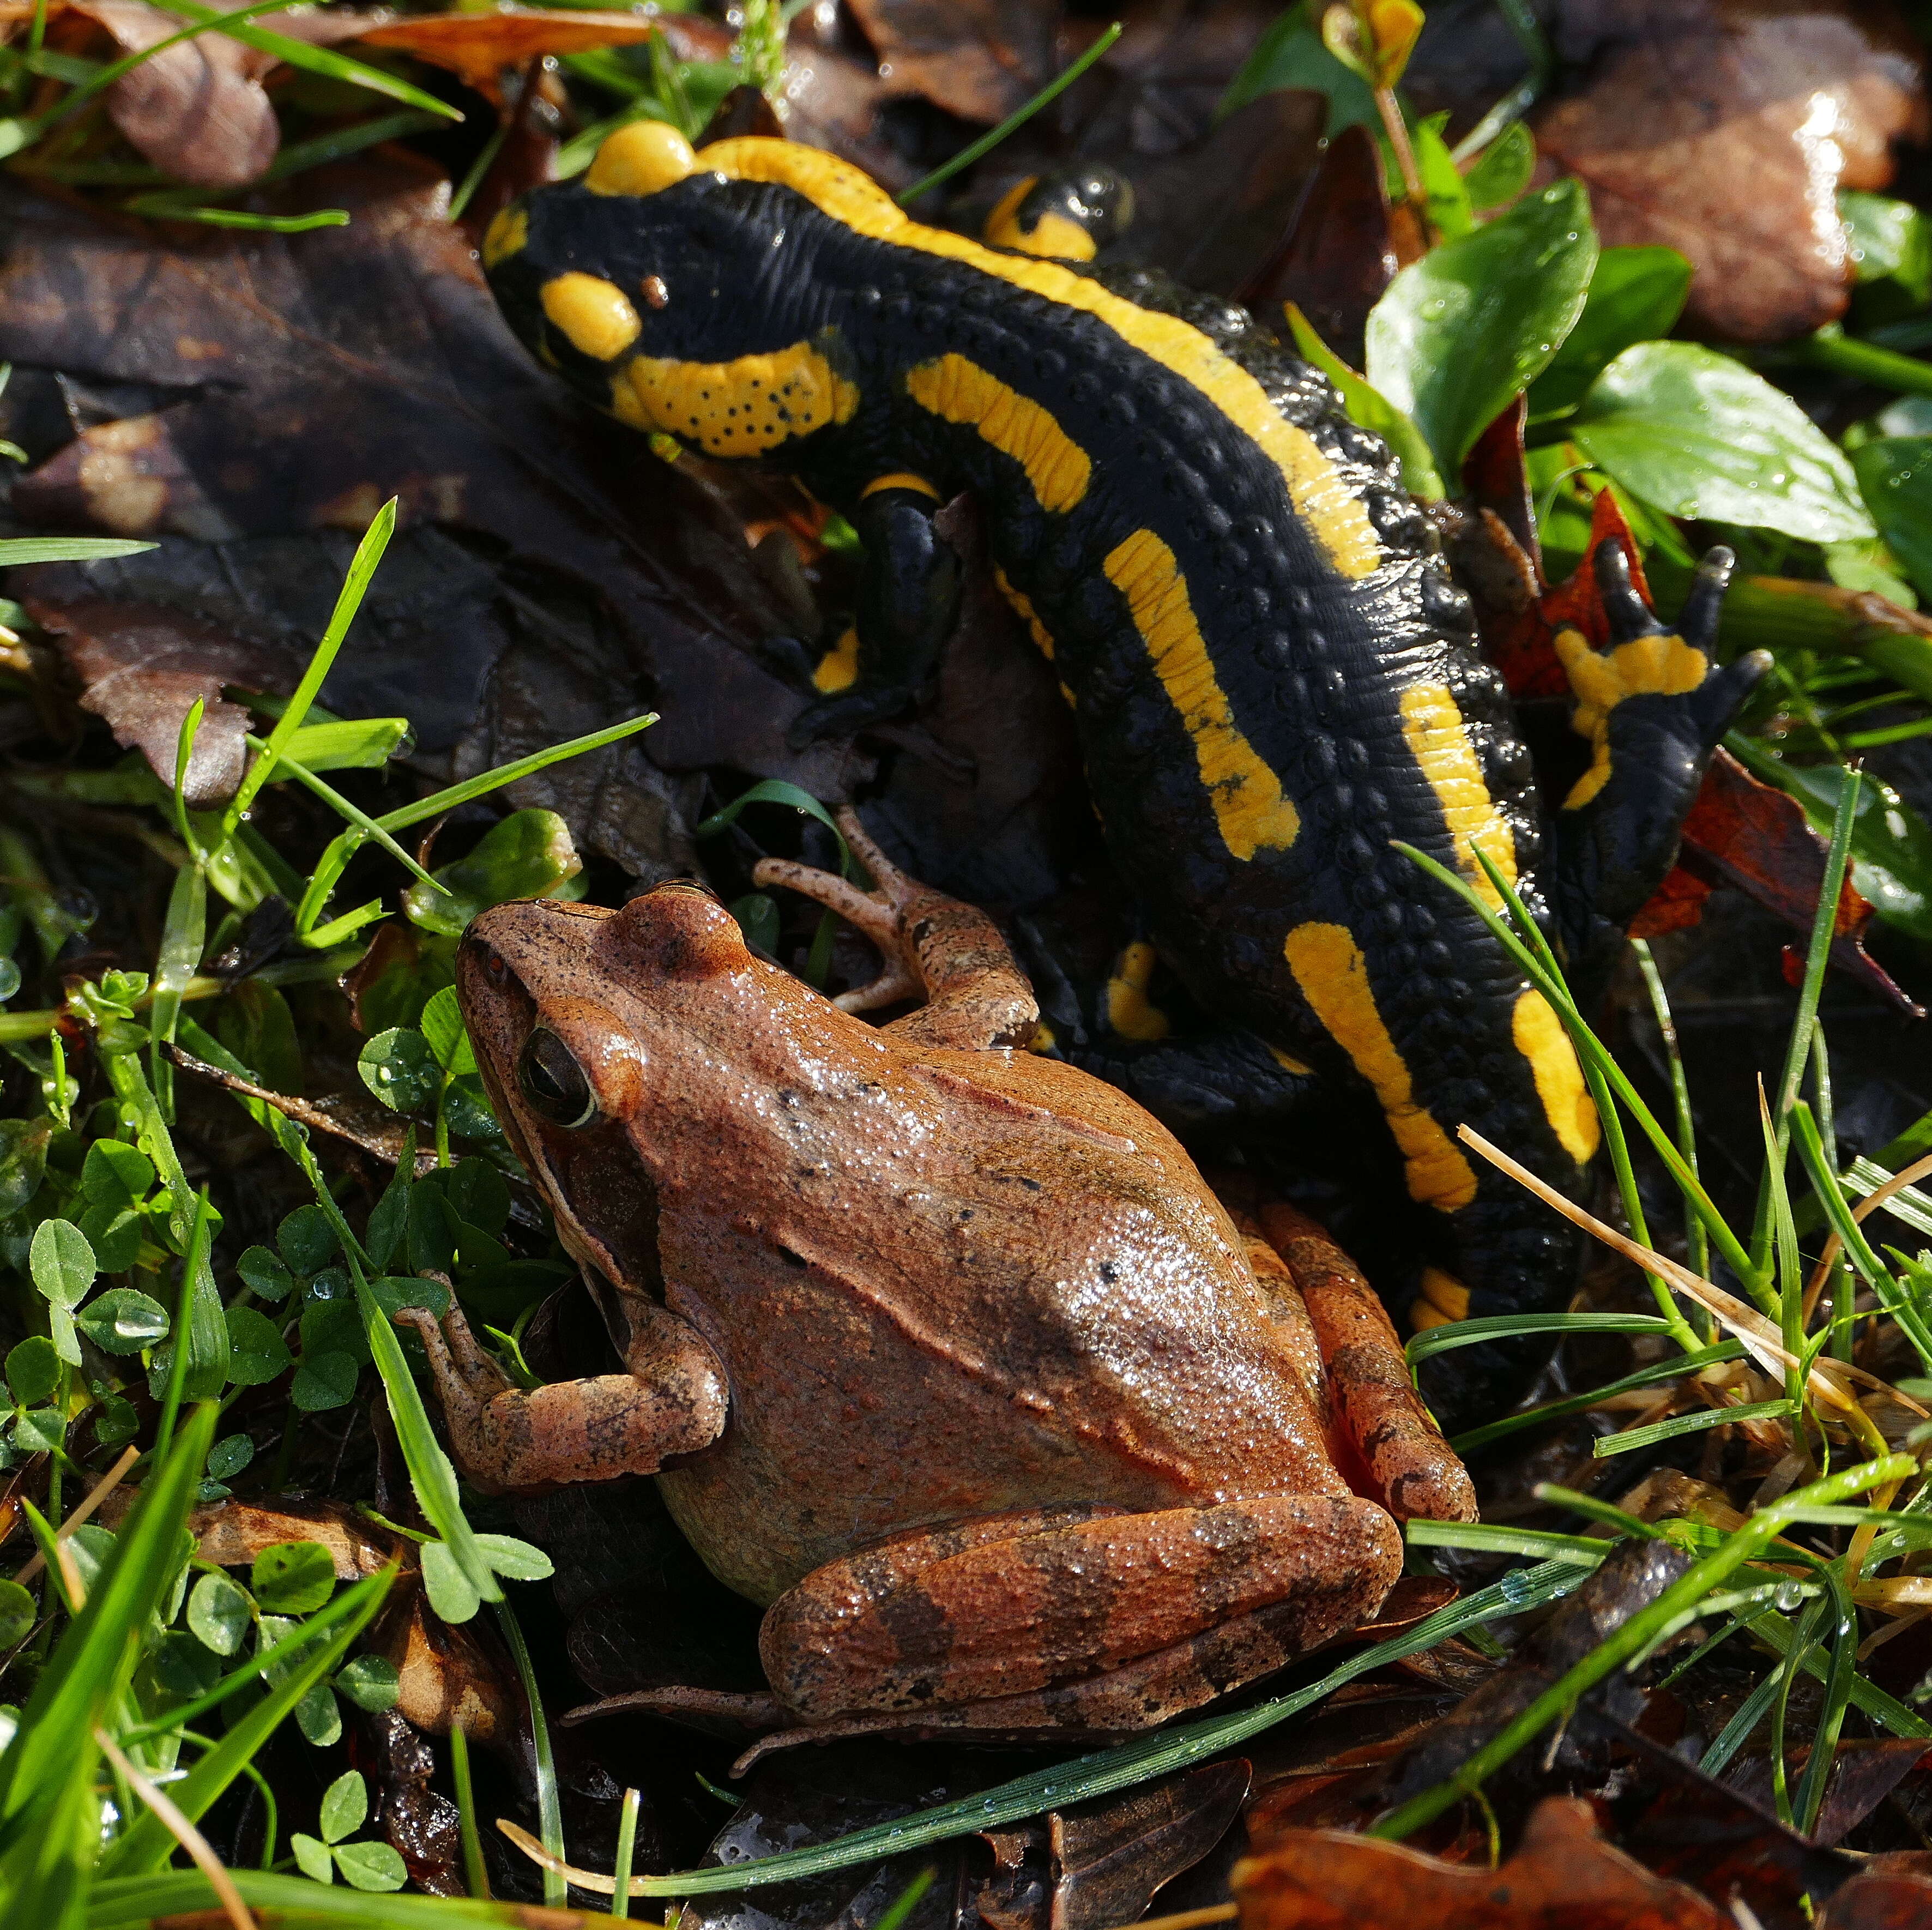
(1075, 1610)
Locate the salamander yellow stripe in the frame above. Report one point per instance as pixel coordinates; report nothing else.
(1129, 1011)
(1566, 1104)
(899, 479)
(738, 408)
(1439, 741)
(1333, 976)
(1322, 498)
(1022, 606)
(960, 391)
(837, 669)
(1249, 806)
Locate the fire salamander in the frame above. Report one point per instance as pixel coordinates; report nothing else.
(1274, 677)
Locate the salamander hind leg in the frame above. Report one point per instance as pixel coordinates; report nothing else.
(1653, 706)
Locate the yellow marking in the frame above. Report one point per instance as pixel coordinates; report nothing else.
(1129, 1012)
(962, 391)
(900, 479)
(1566, 1104)
(1249, 806)
(1324, 500)
(1439, 741)
(838, 667)
(738, 408)
(509, 229)
(1055, 236)
(1662, 665)
(1423, 1315)
(1328, 966)
(1022, 605)
(1042, 1040)
(1445, 1293)
(595, 316)
(1288, 1065)
(640, 158)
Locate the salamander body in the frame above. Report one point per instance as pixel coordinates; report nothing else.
(1274, 679)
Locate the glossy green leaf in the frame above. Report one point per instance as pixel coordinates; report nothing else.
(1503, 169)
(1460, 333)
(371, 1866)
(122, 1321)
(1695, 434)
(220, 1614)
(116, 1173)
(1635, 296)
(308, 1239)
(292, 1577)
(399, 1068)
(442, 1025)
(529, 854)
(323, 1381)
(1894, 473)
(465, 1106)
(23, 1161)
(1890, 241)
(369, 1682)
(61, 1261)
(229, 1456)
(319, 1717)
(515, 1560)
(263, 1271)
(1369, 409)
(19, 550)
(451, 1593)
(1291, 54)
(345, 1805)
(33, 1370)
(356, 743)
(1445, 191)
(260, 1354)
(313, 1858)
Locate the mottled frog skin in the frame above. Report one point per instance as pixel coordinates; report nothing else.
(1274, 679)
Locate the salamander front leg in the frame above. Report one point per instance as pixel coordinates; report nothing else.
(908, 599)
(1653, 706)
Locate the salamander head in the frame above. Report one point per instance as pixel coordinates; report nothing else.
(661, 287)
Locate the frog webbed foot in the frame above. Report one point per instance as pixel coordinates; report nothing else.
(1653, 706)
(933, 947)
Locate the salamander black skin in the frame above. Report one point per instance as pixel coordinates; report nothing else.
(1274, 677)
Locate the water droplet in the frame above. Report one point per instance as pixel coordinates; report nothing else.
(1789, 1595)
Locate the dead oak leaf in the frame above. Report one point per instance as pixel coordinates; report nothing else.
(1564, 1877)
(478, 48)
(978, 59)
(1724, 129)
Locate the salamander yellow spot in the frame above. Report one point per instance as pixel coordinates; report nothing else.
(1333, 976)
(1130, 1013)
(1441, 1299)
(639, 159)
(1289, 1064)
(1249, 806)
(1022, 607)
(1042, 1040)
(1566, 1104)
(738, 408)
(595, 315)
(1439, 741)
(899, 479)
(509, 229)
(1052, 235)
(838, 667)
(1663, 665)
(1321, 496)
(960, 391)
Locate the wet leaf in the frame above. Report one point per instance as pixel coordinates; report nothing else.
(514, 1560)
(528, 854)
(263, 1271)
(1563, 1874)
(313, 1858)
(122, 1321)
(307, 1238)
(369, 1682)
(219, 1614)
(371, 1866)
(259, 1354)
(399, 1068)
(323, 1381)
(18, 1614)
(1635, 296)
(23, 1161)
(292, 1577)
(345, 1806)
(61, 1261)
(33, 1370)
(442, 1024)
(978, 59)
(1462, 331)
(1694, 128)
(1895, 474)
(451, 1592)
(1697, 435)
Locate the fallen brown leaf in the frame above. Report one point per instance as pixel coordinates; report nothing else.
(1564, 1877)
(978, 59)
(478, 47)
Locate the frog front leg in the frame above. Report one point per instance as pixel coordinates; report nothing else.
(1114, 1621)
(908, 600)
(1653, 706)
(934, 948)
(507, 1439)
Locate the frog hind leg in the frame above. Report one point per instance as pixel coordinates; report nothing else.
(1371, 1399)
(1653, 705)
(908, 601)
(934, 948)
(507, 1439)
(1112, 1623)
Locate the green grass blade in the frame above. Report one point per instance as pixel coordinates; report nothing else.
(147, 1845)
(1631, 1439)
(550, 1806)
(15, 550)
(1673, 1369)
(292, 1902)
(1499, 1538)
(1505, 1326)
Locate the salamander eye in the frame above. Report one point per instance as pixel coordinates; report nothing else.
(552, 1081)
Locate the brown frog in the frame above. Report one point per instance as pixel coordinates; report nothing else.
(944, 1351)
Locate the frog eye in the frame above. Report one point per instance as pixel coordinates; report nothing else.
(555, 1085)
